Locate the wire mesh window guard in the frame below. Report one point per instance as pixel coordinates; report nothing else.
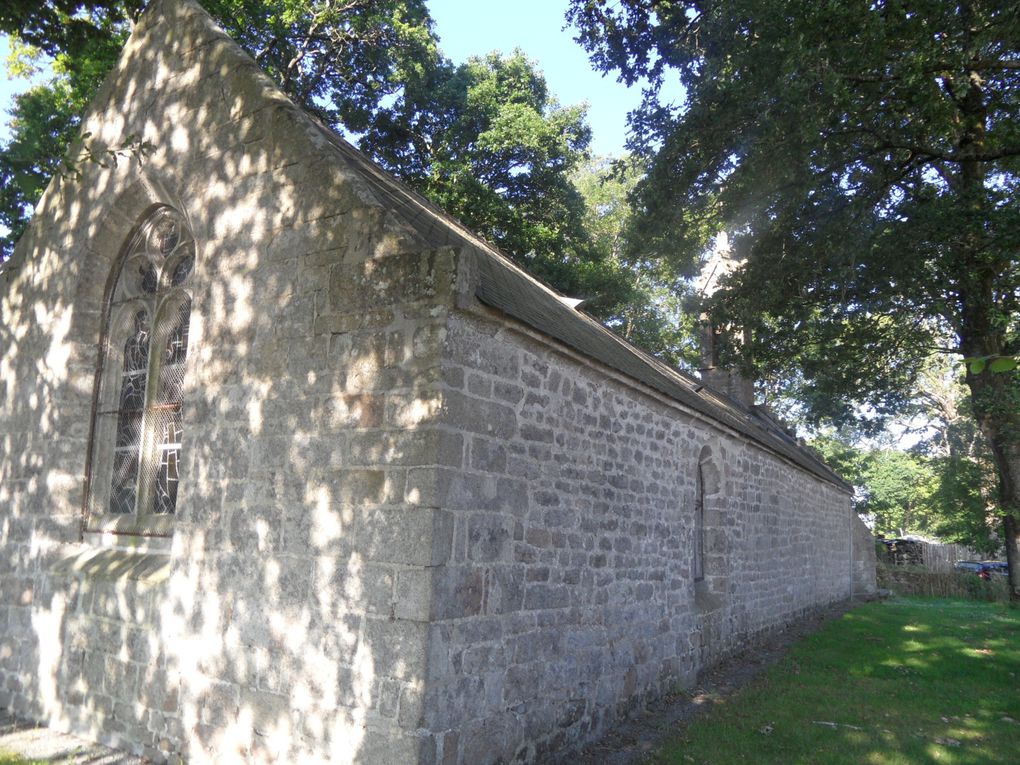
(138, 427)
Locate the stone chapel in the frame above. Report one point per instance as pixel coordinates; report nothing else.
(296, 469)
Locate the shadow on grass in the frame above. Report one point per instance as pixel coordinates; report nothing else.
(897, 683)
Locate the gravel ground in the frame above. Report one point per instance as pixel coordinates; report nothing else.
(35, 743)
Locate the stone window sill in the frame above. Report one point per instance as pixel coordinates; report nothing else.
(706, 596)
(114, 564)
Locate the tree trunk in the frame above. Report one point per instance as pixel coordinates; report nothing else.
(1009, 524)
(994, 396)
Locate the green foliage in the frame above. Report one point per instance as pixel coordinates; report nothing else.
(867, 175)
(85, 35)
(944, 487)
(865, 160)
(994, 364)
(339, 61)
(83, 41)
(8, 758)
(847, 459)
(45, 124)
(484, 140)
(964, 500)
(895, 683)
(962, 503)
(487, 143)
(893, 487)
(654, 317)
(899, 492)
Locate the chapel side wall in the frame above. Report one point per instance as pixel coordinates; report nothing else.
(569, 594)
(287, 617)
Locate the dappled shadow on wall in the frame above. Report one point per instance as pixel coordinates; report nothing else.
(270, 636)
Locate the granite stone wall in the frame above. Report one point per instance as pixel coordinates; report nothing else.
(569, 595)
(408, 530)
(864, 558)
(285, 618)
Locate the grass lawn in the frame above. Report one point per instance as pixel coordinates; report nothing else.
(13, 759)
(902, 682)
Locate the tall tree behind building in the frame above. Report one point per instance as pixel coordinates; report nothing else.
(655, 317)
(484, 139)
(866, 157)
(489, 144)
(341, 60)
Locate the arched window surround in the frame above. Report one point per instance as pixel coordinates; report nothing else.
(698, 554)
(708, 564)
(135, 446)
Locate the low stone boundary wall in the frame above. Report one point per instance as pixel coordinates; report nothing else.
(909, 580)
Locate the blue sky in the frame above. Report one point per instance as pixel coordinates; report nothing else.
(7, 88)
(475, 28)
(536, 27)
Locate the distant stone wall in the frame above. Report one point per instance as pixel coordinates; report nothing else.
(569, 594)
(864, 558)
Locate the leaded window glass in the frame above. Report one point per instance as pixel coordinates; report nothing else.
(138, 430)
(134, 375)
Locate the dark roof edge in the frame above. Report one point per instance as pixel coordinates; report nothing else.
(674, 383)
(603, 345)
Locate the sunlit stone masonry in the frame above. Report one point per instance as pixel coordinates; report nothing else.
(295, 469)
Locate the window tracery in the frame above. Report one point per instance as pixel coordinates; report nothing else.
(138, 427)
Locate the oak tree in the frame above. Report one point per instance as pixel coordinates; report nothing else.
(865, 157)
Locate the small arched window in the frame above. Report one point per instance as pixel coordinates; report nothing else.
(698, 566)
(137, 428)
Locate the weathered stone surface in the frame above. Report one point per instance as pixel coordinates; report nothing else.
(282, 621)
(582, 583)
(408, 530)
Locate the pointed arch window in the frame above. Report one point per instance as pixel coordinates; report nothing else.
(138, 427)
(698, 566)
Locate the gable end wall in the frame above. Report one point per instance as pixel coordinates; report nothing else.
(286, 618)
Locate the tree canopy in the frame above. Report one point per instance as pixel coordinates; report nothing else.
(489, 144)
(655, 316)
(484, 139)
(341, 60)
(83, 40)
(865, 158)
(948, 496)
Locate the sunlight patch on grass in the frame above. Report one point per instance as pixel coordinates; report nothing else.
(898, 683)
